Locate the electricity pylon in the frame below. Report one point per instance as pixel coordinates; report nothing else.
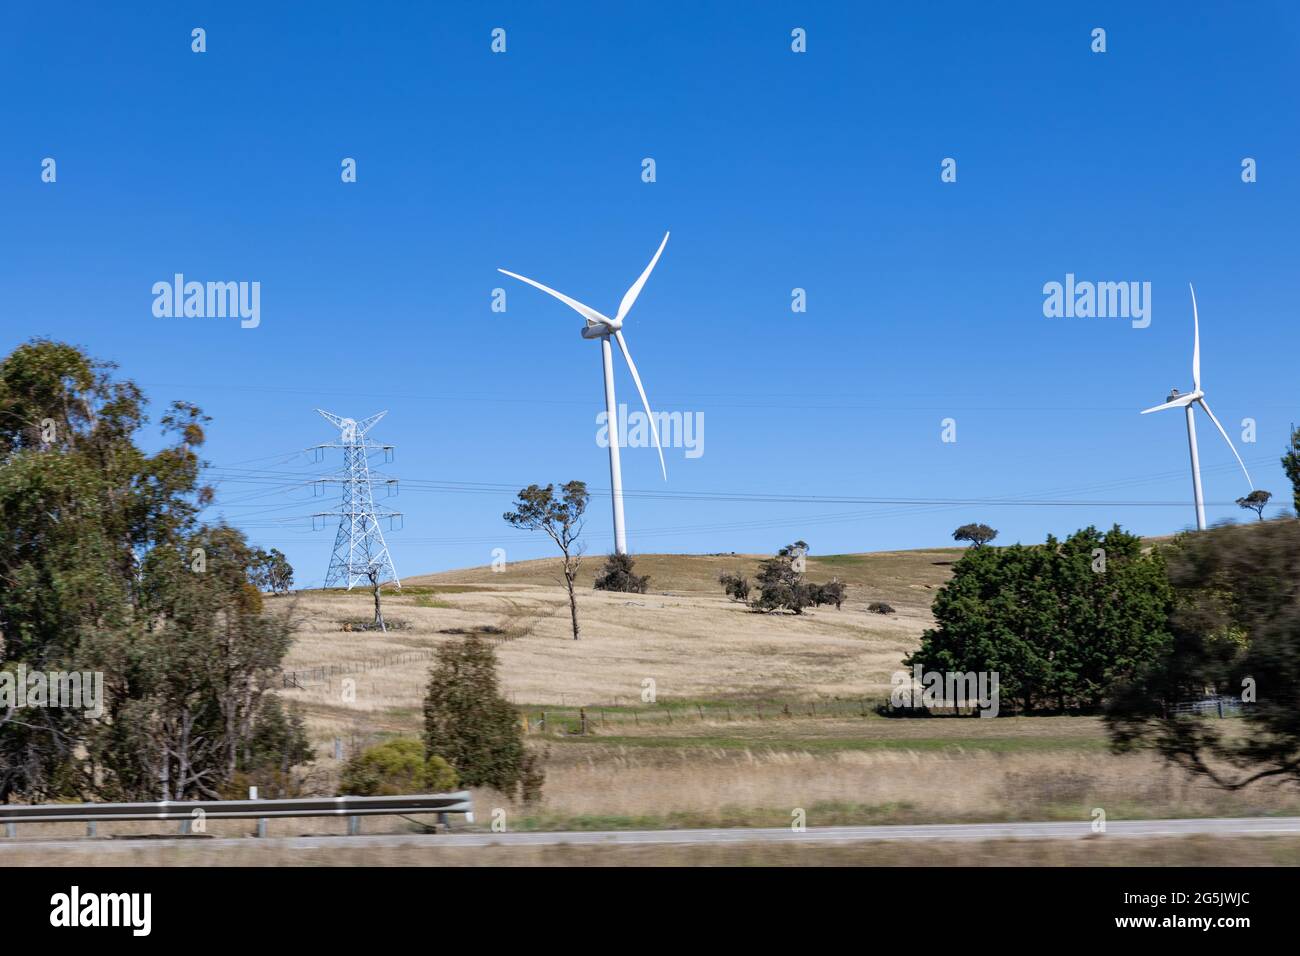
(360, 552)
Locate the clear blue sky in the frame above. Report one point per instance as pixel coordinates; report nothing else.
(775, 170)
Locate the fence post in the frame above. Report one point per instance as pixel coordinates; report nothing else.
(91, 828)
(354, 825)
(11, 831)
(261, 822)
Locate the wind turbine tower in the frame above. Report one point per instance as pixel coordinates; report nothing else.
(359, 546)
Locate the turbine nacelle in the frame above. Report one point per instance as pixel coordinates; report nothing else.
(597, 331)
(1176, 399)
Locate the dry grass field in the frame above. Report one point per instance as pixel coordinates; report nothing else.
(755, 715)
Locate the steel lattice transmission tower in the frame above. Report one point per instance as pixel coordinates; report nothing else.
(359, 546)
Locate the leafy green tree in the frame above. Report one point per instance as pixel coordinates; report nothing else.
(539, 509)
(105, 567)
(394, 768)
(619, 575)
(780, 586)
(977, 534)
(1060, 622)
(1236, 632)
(1256, 501)
(1291, 465)
(467, 721)
(272, 572)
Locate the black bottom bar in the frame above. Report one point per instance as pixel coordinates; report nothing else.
(947, 906)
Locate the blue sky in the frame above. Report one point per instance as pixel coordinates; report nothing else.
(775, 170)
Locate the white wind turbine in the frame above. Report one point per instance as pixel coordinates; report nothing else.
(602, 327)
(1197, 397)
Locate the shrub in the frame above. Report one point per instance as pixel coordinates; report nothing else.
(617, 575)
(880, 607)
(830, 593)
(531, 776)
(396, 767)
(737, 587)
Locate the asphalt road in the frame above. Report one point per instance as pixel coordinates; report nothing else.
(1242, 826)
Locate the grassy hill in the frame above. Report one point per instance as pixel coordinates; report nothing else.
(754, 714)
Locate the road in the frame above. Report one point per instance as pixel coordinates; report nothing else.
(1115, 829)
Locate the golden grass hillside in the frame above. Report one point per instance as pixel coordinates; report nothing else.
(755, 715)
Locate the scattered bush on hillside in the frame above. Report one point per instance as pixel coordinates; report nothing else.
(737, 587)
(394, 768)
(977, 534)
(618, 575)
(880, 607)
(830, 593)
(781, 584)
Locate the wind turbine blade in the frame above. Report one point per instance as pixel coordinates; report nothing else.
(1176, 403)
(1201, 402)
(1196, 345)
(654, 429)
(629, 297)
(586, 311)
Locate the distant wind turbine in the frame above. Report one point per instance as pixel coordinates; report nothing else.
(1197, 397)
(602, 327)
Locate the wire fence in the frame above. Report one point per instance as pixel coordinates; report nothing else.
(1210, 707)
(325, 672)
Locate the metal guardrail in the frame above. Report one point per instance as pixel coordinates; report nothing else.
(186, 810)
